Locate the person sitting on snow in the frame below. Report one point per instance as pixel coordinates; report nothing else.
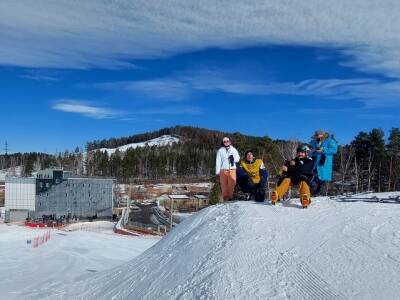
(252, 176)
(323, 147)
(298, 171)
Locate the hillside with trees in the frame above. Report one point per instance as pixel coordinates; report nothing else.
(368, 162)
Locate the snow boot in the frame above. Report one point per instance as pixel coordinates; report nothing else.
(274, 197)
(305, 201)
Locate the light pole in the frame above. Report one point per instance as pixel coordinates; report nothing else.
(172, 210)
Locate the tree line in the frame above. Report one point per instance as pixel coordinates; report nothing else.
(368, 162)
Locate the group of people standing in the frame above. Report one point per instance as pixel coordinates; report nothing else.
(310, 170)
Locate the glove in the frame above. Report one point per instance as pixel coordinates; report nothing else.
(322, 160)
(232, 160)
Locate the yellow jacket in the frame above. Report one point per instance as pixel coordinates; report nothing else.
(253, 169)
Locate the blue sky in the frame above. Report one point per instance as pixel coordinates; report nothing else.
(73, 72)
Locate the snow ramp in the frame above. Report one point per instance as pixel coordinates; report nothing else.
(247, 250)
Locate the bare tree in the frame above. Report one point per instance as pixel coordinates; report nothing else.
(370, 169)
(356, 173)
(346, 157)
(287, 150)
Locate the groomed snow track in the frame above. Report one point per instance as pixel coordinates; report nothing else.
(246, 250)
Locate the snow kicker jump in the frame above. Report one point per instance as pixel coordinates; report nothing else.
(248, 250)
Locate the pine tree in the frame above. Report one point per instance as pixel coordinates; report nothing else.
(215, 193)
(393, 151)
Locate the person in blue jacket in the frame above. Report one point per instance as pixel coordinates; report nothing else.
(323, 147)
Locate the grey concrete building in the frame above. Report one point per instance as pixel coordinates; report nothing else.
(56, 192)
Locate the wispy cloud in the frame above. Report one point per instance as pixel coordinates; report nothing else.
(85, 109)
(37, 77)
(92, 111)
(371, 92)
(170, 110)
(93, 34)
(170, 89)
(42, 75)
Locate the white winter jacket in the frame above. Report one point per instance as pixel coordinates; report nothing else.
(222, 161)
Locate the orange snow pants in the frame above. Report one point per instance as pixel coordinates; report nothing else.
(286, 184)
(227, 179)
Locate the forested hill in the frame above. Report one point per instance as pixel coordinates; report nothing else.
(193, 156)
(369, 162)
(194, 135)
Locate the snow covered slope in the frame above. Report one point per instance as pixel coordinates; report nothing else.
(245, 250)
(163, 140)
(66, 257)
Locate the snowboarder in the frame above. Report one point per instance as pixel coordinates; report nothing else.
(323, 147)
(227, 157)
(252, 176)
(298, 171)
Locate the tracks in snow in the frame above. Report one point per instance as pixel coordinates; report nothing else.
(307, 281)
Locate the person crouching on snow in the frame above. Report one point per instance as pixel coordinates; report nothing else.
(298, 171)
(227, 157)
(252, 176)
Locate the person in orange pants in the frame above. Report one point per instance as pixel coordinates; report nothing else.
(225, 167)
(298, 171)
(227, 179)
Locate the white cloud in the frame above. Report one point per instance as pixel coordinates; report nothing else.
(87, 110)
(39, 75)
(163, 89)
(170, 110)
(96, 112)
(371, 92)
(100, 33)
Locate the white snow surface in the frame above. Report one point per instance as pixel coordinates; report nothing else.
(163, 140)
(67, 257)
(247, 250)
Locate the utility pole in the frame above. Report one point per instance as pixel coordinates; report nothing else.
(172, 209)
(6, 155)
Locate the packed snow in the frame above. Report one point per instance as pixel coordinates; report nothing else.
(67, 257)
(164, 140)
(247, 250)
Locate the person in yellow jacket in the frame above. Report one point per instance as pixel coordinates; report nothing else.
(252, 176)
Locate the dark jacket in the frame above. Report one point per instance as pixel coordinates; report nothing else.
(301, 171)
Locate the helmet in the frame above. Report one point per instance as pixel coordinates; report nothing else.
(303, 148)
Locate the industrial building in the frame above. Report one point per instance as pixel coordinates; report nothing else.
(56, 192)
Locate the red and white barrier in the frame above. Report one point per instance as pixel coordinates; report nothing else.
(41, 239)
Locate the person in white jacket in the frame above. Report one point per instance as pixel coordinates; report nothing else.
(227, 157)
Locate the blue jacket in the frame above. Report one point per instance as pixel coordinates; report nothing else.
(329, 148)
